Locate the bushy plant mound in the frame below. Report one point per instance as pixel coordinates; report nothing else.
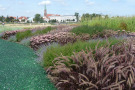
(103, 68)
(61, 28)
(62, 36)
(7, 34)
(37, 41)
(21, 35)
(94, 31)
(43, 31)
(68, 49)
(29, 33)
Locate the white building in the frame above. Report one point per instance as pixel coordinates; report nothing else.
(64, 18)
(58, 18)
(31, 19)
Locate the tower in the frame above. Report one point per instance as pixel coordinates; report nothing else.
(45, 12)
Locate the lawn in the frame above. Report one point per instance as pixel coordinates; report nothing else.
(9, 28)
(12, 27)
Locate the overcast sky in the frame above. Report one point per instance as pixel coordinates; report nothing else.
(67, 7)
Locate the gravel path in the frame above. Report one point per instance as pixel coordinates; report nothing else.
(19, 70)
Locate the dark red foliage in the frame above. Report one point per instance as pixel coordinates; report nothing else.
(104, 68)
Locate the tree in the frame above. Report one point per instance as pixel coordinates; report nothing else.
(7, 19)
(77, 16)
(38, 18)
(86, 17)
(16, 20)
(2, 19)
(41, 20)
(23, 20)
(106, 16)
(28, 21)
(11, 19)
(52, 21)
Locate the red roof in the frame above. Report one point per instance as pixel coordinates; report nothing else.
(22, 17)
(48, 15)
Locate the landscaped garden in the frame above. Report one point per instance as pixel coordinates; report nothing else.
(92, 55)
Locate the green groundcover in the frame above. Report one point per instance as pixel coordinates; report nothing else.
(19, 70)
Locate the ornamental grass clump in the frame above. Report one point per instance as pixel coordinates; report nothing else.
(67, 50)
(42, 31)
(21, 35)
(94, 32)
(7, 34)
(103, 68)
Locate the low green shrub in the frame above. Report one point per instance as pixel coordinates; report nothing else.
(67, 50)
(21, 35)
(48, 29)
(91, 30)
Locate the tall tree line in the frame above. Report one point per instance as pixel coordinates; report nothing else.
(87, 16)
(8, 19)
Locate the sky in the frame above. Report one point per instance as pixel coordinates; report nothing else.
(67, 7)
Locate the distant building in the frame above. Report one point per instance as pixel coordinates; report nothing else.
(47, 16)
(58, 18)
(31, 19)
(64, 18)
(23, 19)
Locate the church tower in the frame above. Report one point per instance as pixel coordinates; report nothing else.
(45, 12)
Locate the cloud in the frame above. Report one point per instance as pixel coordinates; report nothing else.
(62, 2)
(89, 2)
(2, 8)
(47, 2)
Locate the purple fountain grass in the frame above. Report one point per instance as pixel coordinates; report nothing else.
(103, 68)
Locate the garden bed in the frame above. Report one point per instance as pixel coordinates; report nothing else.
(68, 53)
